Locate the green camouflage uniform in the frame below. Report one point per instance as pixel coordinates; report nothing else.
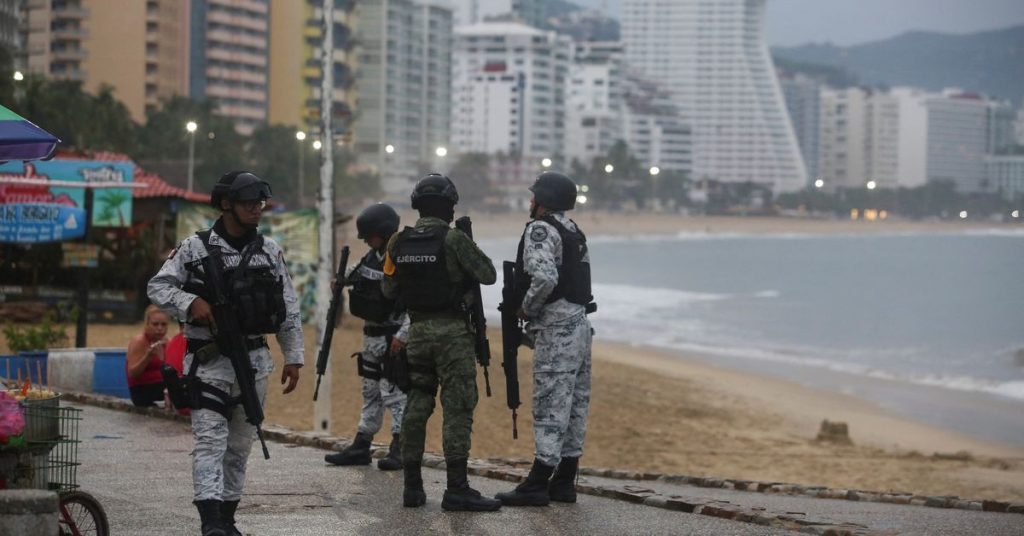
(442, 344)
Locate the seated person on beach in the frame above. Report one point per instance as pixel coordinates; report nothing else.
(145, 357)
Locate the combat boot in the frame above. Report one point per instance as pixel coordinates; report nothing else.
(533, 491)
(209, 516)
(393, 461)
(460, 497)
(413, 496)
(563, 483)
(227, 518)
(358, 453)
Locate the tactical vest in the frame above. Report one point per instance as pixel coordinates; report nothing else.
(423, 280)
(365, 299)
(574, 272)
(255, 292)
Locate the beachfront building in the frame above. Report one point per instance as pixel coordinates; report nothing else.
(957, 133)
(509, 90)
(10, 38)
(404, 88)
(654, 131)
(296, 65)
(859, 138)
(714, 59)
(1004, 175)
(803, 101)
(465, 12)
(229, 60)
(593, 117)
(140, 49)
(1001, 119)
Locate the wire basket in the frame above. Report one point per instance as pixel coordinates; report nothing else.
(50, 458)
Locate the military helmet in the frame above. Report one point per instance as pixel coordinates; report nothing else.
(239, 186)
(377, 220)
(554, 190)
(434, 185)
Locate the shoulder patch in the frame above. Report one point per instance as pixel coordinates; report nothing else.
(538, 233)
(172, 253)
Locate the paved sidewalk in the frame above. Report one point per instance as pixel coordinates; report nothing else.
(139, 468)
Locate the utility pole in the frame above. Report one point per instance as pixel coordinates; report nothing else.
(325, 202)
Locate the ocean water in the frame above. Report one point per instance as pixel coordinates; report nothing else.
(940, 316)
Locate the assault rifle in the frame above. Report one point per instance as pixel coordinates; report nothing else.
(476, 314)
(511, 338)
(337, 300)
(231, 342)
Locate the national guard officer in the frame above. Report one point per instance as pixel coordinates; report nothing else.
(222, 437)
(385, 331)
(430, 267)
(553, 268)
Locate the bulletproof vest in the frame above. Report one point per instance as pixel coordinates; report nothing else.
(423, 280)
(256, 293)
(365, 299)
(573, 274)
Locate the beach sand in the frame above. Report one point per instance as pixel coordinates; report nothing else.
(665, 412)
(662, 411)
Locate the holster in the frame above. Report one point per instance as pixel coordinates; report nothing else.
(177, 388)
(396, 370)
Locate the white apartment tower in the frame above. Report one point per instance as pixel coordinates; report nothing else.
(712, 55)
(593, 117)
(404, 88)
(509, 90)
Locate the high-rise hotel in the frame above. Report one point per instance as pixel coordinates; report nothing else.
(712, 56)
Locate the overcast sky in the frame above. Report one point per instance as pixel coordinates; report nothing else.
(849, 22)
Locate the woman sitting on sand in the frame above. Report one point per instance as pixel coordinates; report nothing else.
(145, 357)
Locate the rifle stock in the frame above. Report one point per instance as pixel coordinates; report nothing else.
(511, 338)
(476, 315)
(337, 300)
(231, 343)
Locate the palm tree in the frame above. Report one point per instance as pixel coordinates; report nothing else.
(113, 200)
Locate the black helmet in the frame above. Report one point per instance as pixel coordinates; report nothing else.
(239, 186)
(435, 185)
(377, 220)
(554, 190)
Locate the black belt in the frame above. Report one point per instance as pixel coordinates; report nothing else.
(192, 345)
(380, 331)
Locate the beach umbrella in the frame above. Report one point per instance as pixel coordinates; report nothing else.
(21, 140)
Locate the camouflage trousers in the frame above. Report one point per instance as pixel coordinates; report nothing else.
(561, 389)
(440, 354)
(221, 447)
(379, 394)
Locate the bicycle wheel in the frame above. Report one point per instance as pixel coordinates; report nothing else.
(82, 515)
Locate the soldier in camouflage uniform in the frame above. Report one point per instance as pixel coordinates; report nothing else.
(385, 331)
(429, 267)
(222, 444)
(553, 268)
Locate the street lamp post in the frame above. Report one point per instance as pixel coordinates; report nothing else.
(301, 137)
(191, 127)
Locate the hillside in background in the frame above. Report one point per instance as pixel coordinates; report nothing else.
(990, 62)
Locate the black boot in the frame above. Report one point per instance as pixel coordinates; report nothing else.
(413, 495)
(533, 491)
(227, 518)
(358, 453)
(563, 483)
(459, 496)
(393, 461)
(209, 516)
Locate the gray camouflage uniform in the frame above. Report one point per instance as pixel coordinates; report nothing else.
(221, 448)
(561, 337)
(380, 394)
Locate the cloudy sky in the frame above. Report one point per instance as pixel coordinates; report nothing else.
(846, 22)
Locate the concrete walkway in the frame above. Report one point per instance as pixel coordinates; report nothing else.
(139, 468)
